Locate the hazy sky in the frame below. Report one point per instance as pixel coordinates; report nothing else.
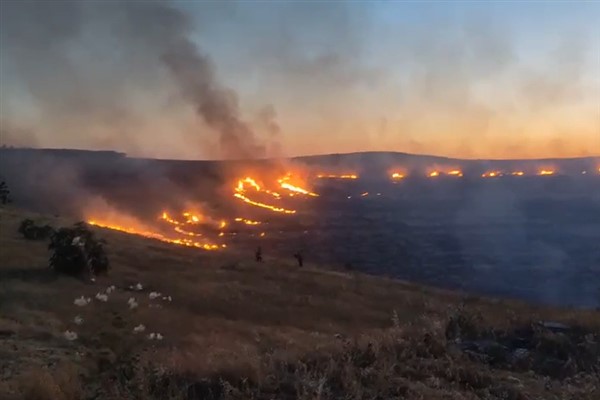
(467, 79)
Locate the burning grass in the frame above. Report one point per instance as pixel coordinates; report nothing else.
(243, 330)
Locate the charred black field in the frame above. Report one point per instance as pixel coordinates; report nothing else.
(533, 237)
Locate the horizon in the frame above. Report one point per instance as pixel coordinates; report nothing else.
(228, 80)
(314, 155)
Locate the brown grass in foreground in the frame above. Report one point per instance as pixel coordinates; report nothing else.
(236, 329)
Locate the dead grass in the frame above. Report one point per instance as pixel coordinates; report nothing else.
(267, 331)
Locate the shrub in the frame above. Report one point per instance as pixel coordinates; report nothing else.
(31, 231)
(76, 251)
(4, 193)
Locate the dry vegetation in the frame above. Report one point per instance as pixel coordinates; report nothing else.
(240, 330)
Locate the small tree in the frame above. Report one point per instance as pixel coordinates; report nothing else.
(77, 252)
(31, 231)
(4, 193)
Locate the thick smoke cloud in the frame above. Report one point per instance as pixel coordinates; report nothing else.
(92, 67)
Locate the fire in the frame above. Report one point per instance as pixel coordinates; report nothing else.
(517, 173)
(263, 205)
(491, 174)
(247, 221)
(333, 176)
(433, 174)
(364, 194)
(546, 172)
(283, 182)
(455, 172)
(397, 175)
(155, 235)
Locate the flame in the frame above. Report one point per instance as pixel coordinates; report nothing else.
(455, 172)
(155, 235)
(247, 221)
(397, 175)
(517, 173)
(263, 205)
(364, 194)
(546, 172)
(433, 174)
(491, 174)
(283, 182)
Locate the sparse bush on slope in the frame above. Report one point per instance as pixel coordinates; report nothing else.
(77, 252)
(4, 193)
(31, 231)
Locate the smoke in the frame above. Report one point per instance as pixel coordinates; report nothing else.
(137, 77)
(120, 75)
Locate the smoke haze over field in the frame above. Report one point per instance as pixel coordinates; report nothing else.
(245, 80)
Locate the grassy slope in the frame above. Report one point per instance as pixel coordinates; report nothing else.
(281, 328)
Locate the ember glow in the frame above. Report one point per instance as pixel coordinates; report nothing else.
(433, 174)
(491, 174)
(517, 173)
(285, 184)
(397, 175)
(455, 172)
(247, 221)
(158, 236)
(546, 172)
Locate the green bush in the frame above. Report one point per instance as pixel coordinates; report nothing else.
(77, 252)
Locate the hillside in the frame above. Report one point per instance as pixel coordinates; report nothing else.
(242, 330)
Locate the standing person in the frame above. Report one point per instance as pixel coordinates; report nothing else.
(298, 256)
(258, 254)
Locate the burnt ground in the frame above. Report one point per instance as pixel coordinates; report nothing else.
(531, 238)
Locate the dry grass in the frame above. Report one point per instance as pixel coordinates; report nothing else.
(268, 330)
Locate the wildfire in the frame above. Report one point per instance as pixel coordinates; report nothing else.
(433, 174)
(263, 205)
(455, 172)
(491, 174)
(283, 182)
(546, 172)
(517, 173)
(364, 194)
(247, 221)
(157, 236)
(397, 175)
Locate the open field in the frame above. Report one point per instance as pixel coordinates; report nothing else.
(238, 329)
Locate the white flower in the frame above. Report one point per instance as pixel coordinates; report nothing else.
(110, 289)
(102, 297)
(167, 298)
(139, 328)
(155, 336)
(70, 336)
(78, 320)
(138, 286)
(132, 303)
(154, 295)
(82, 301)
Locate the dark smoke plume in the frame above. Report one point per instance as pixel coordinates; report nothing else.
(217, 105)
(91, 70)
